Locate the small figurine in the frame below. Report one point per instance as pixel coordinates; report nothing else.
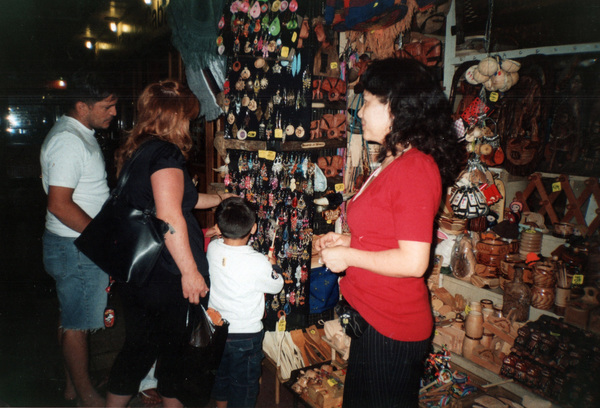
(514, 215)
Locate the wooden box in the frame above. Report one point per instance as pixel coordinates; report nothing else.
(451, 337)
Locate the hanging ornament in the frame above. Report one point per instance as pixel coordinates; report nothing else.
(275, 6)
(275, 27)
(255, 10)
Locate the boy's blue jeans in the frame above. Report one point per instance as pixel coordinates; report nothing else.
(237, 378)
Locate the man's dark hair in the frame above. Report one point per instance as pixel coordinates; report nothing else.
(87, 87)
(235, 217)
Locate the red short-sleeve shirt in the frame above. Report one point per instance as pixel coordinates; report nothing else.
(399, 204)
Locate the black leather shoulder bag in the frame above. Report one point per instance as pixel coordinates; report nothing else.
(125, 242)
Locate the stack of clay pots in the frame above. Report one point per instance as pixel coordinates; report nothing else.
(494, 74)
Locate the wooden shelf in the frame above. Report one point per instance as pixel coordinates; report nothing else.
(256, 145)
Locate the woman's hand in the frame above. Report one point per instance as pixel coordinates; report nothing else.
(194, 287)
(332, 239)
(335, 258)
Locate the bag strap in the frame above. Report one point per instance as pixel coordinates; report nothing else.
(124, 177)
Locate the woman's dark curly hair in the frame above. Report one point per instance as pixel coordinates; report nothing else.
(421, 114)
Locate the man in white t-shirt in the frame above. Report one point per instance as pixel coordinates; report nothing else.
(74, 178)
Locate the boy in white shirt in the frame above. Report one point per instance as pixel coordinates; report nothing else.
(240, 276)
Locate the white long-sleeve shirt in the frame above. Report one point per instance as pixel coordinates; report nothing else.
(239, 279)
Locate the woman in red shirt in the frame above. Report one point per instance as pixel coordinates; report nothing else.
(391, 228)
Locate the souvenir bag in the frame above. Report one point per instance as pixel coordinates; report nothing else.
(125, 242)
(280, 347)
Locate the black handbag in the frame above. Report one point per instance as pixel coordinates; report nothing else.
(353, 324)
(125, 242)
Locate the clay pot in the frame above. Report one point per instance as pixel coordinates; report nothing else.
(513, 246)
(486, 304)
(469, 344)
(474, 324)
(459, 323)
(489, 260)
(476, 306)
(493, 246)
(544, 274)
(561, 300)
(486, 340)
(542, 298)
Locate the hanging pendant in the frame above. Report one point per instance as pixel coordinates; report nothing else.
(275, 6)
(275, 27)
(252, 105)
(255, 10)
(245, 73)
(301, 203)
(230, 118)
(242, 134)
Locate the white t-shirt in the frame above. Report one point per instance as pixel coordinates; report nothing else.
(71, 157)
(239, 279)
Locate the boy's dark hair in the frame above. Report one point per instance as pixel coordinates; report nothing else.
(88, 87)
(235, 218)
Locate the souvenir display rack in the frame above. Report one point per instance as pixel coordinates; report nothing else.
(266, 136)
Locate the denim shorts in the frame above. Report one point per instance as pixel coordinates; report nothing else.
(237, 380)
(80, 284)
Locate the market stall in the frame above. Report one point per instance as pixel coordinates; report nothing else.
(515, 276)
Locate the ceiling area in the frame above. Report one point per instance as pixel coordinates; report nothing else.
(45, 39)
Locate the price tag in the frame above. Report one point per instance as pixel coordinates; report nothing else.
(494, 97)
(577, 279)
(332, 382)
(267, 154)
(252, 133)
(294, 36)
(278, 134)
(285, 51)
(281, 324)
(339, 187)
(333, 65)
(556, 187)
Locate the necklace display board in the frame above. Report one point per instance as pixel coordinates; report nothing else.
(280, 185)
(271, 159)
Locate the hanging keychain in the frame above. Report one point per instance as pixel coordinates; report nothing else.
(109, 311)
